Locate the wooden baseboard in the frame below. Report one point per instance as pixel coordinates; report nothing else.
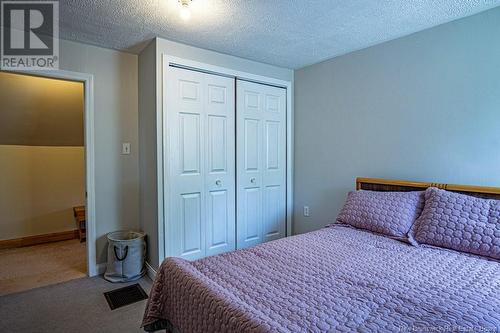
(38, 239)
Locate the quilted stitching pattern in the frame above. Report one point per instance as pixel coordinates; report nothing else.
(388, 213)
(333, 280)
(459, 222)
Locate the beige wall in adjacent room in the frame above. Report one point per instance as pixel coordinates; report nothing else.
(38, 188)
(42, 159)
(115, 121)
(38, 111)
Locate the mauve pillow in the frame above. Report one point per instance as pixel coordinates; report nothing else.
(388, 213)
(459, 222)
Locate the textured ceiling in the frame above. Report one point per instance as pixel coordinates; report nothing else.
(287, 33)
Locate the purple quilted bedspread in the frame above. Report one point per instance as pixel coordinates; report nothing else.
(333, 280)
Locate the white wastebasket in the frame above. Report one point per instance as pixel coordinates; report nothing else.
(126, 253)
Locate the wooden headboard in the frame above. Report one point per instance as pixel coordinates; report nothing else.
(384, 185)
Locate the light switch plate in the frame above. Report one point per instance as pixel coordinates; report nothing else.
(306, 211)
(126, 148)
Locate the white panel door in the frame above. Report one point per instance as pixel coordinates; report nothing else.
(220, 177)
(261, 163)
(200, 186)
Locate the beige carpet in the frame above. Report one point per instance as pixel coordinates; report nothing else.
(41, 265)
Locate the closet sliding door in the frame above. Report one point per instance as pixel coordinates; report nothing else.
(261, 163)
(200, 187)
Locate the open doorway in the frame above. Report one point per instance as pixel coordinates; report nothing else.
(42, 183)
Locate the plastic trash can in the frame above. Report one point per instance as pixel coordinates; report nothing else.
(126, 253)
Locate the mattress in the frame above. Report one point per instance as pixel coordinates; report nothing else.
(337, 279)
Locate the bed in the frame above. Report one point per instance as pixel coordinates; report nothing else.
(337, 279)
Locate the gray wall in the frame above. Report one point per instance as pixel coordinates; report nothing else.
(115, 121)
(148, 198)
(423, 107)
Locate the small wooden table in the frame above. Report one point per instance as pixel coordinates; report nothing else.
(80, 219)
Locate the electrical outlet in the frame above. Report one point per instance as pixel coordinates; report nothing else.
(126, 148)
(306, 211)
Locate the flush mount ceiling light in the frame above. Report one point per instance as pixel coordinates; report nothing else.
(185, 12)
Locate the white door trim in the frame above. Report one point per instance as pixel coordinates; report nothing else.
(88, 83)
(165, 60)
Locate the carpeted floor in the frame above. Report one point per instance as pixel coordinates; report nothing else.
(41, 265)
(73, 306)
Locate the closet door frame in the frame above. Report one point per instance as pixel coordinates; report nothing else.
(165, 61)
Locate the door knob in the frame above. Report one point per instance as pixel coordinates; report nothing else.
(218, 182)
(253, 180)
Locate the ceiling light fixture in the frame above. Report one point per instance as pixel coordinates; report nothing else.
(185, 13)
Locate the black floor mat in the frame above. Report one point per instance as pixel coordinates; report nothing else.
(125, 296)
